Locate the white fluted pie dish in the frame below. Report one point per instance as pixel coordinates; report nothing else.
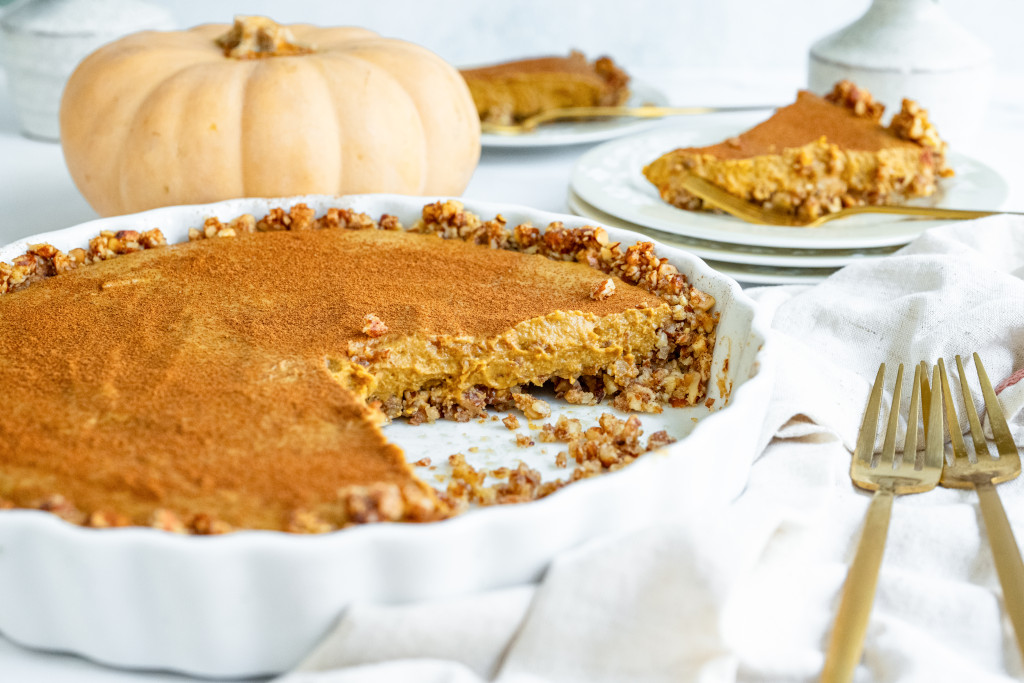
(255, 602)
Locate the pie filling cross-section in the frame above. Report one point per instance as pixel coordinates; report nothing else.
(239, 381)
(816, 156)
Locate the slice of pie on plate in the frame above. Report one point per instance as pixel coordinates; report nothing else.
(816, 156)
(239, 380)
(512, 91)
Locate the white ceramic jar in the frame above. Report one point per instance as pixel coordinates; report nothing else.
(44, 40)
(911, 48)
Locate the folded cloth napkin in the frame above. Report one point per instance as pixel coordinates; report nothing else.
(749, 592)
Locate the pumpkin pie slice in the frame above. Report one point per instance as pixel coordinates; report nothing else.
(816, 156)
(512, 91)
(240, 380)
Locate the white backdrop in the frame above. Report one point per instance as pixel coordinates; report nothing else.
(766, 34)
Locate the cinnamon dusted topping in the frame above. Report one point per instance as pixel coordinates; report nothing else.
(374, 326)
(603, 290)
(511, 421)
(857, 100)
(284, 361)
(532, 407)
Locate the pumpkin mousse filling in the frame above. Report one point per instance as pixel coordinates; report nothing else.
(241, 383)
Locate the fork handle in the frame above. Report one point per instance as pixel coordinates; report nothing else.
(847, 641)
(1008, 562)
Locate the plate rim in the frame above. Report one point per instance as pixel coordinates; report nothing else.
(722, 256)
(765, 236)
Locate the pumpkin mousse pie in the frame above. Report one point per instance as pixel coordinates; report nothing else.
(512, 91)
(240, 380)
(816, 156)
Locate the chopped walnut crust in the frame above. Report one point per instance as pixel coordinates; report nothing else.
(44, 260)
(533, 408)
(374, 326)
(857, 100)
(677, 373)
(604, 290)
(605, 447)
(912, 123)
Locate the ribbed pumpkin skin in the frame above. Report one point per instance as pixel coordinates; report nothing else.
(161, 118)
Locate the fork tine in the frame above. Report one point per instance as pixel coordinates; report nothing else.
(868, 428)
(977, 435)
(956, 439)
(926, 395)
(934, 452)
(1001, 433)
(910, 444)
(889, 446)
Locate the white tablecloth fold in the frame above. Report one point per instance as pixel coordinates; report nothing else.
(749, 592)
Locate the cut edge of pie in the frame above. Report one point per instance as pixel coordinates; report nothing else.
(667, 364)
(816, 156)
(512, 91)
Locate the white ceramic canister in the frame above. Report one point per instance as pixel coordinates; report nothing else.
(44, 40)
(913, 49)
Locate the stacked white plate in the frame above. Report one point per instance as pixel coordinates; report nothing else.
(608, 186)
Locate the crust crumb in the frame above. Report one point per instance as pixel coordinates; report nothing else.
(533, 408)
(604, 290)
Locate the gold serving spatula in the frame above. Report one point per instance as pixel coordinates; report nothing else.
(528, 125)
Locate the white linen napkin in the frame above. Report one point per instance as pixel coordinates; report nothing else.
(749, 592)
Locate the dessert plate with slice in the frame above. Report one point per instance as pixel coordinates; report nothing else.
(612, 178)
(226, 368)
(509, 92)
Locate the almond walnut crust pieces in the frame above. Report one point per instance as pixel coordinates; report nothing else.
(41, 261)
(608, 446)
(533, 408)
(603, 290)
(374, 326)
(858, 100)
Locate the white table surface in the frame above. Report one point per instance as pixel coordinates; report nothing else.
(37, 195)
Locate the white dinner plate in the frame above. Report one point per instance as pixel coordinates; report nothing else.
(726, 255)
(610, 177)
(579, 132)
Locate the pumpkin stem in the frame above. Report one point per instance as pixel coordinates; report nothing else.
(259, 37)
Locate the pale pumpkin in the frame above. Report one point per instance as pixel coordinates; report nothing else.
(262, 110)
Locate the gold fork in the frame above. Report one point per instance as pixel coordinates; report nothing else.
(529, 124)
(887, 477)
(715, 196)
(982, 473)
